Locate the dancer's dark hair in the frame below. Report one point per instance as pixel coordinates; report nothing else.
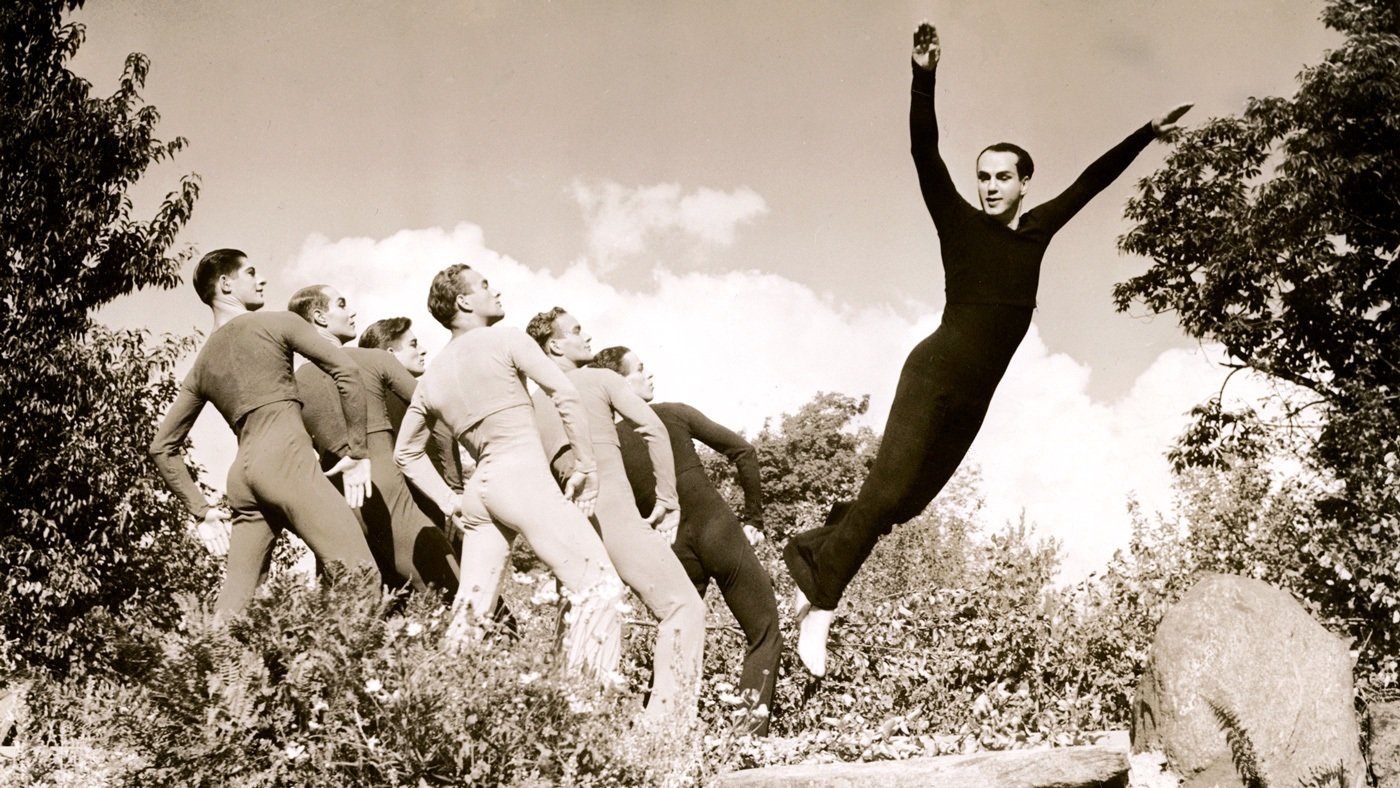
(541, 327)
(1025, 168)
(384, 333)
(220, 262)
(611, 358)
(442, 294)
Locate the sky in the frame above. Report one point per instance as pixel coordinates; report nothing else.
(725, 187)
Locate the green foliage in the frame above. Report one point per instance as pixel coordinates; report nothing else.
(90, 542)
(104, 546)
(1275, 233)
(329, 687)
(814, 458)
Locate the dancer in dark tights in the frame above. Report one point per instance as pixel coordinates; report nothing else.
(991, 262)
(245, 369)
(710, 542)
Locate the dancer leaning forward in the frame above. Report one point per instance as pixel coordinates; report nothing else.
(991, 261)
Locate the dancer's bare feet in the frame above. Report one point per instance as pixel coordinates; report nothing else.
(926, 46)
(813, 625)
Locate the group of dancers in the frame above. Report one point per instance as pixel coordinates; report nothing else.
(606, 487)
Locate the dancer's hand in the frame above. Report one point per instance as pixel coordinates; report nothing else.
(926, 46)
(355, 480)
(1167, 123)
(214, 530)
(582, 489)
(669, 525)
(752, 534)
(454, 513)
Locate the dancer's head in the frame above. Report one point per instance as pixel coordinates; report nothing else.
(629, 365)
(1003, 174)
(325, 308)
(395, 334)
(226, 274)
(561, 336)
(460, 297)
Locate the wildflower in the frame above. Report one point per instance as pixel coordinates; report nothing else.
(724, 686)
(372, 686)
(320, 705)
(414, 628)
(730, 699)
(614, 678)
(294, 752)
(580, 706)
(546, 594)
(524, 578)
(529, 678)
(761, 711)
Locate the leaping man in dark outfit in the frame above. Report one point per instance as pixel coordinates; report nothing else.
(991, 262)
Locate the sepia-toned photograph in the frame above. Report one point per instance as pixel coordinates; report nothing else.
(616, 393)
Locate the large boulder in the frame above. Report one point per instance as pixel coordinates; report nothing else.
(1385, 744)
(1243, 647)
(1066, 767)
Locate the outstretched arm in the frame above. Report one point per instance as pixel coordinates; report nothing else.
(1106, 169)
(934, 181)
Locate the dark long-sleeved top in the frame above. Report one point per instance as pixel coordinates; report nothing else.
(247, 363)
(383, 377)
(984, 261)
(685, 425)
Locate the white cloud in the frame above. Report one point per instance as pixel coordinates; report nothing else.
(748, 345)
(622, 221)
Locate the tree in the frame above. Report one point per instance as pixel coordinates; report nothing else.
(1275, 233)
(814, 458)
(90, 539)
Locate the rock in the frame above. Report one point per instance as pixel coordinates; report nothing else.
(1064, 767)
(1384, 753)
(1250, 649)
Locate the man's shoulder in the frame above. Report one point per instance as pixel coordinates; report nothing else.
(674, 411)
(370, 357)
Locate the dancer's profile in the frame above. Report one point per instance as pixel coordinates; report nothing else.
(711, 542)
(395, 334)
(642, 556)
(991, 261)
(476, 384)
(407, 545)
(245, 369)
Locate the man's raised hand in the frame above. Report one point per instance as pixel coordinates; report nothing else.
(926, 47)
(1167, 123)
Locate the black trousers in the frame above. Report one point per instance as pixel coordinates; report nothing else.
(943, 393)
(711, 545)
